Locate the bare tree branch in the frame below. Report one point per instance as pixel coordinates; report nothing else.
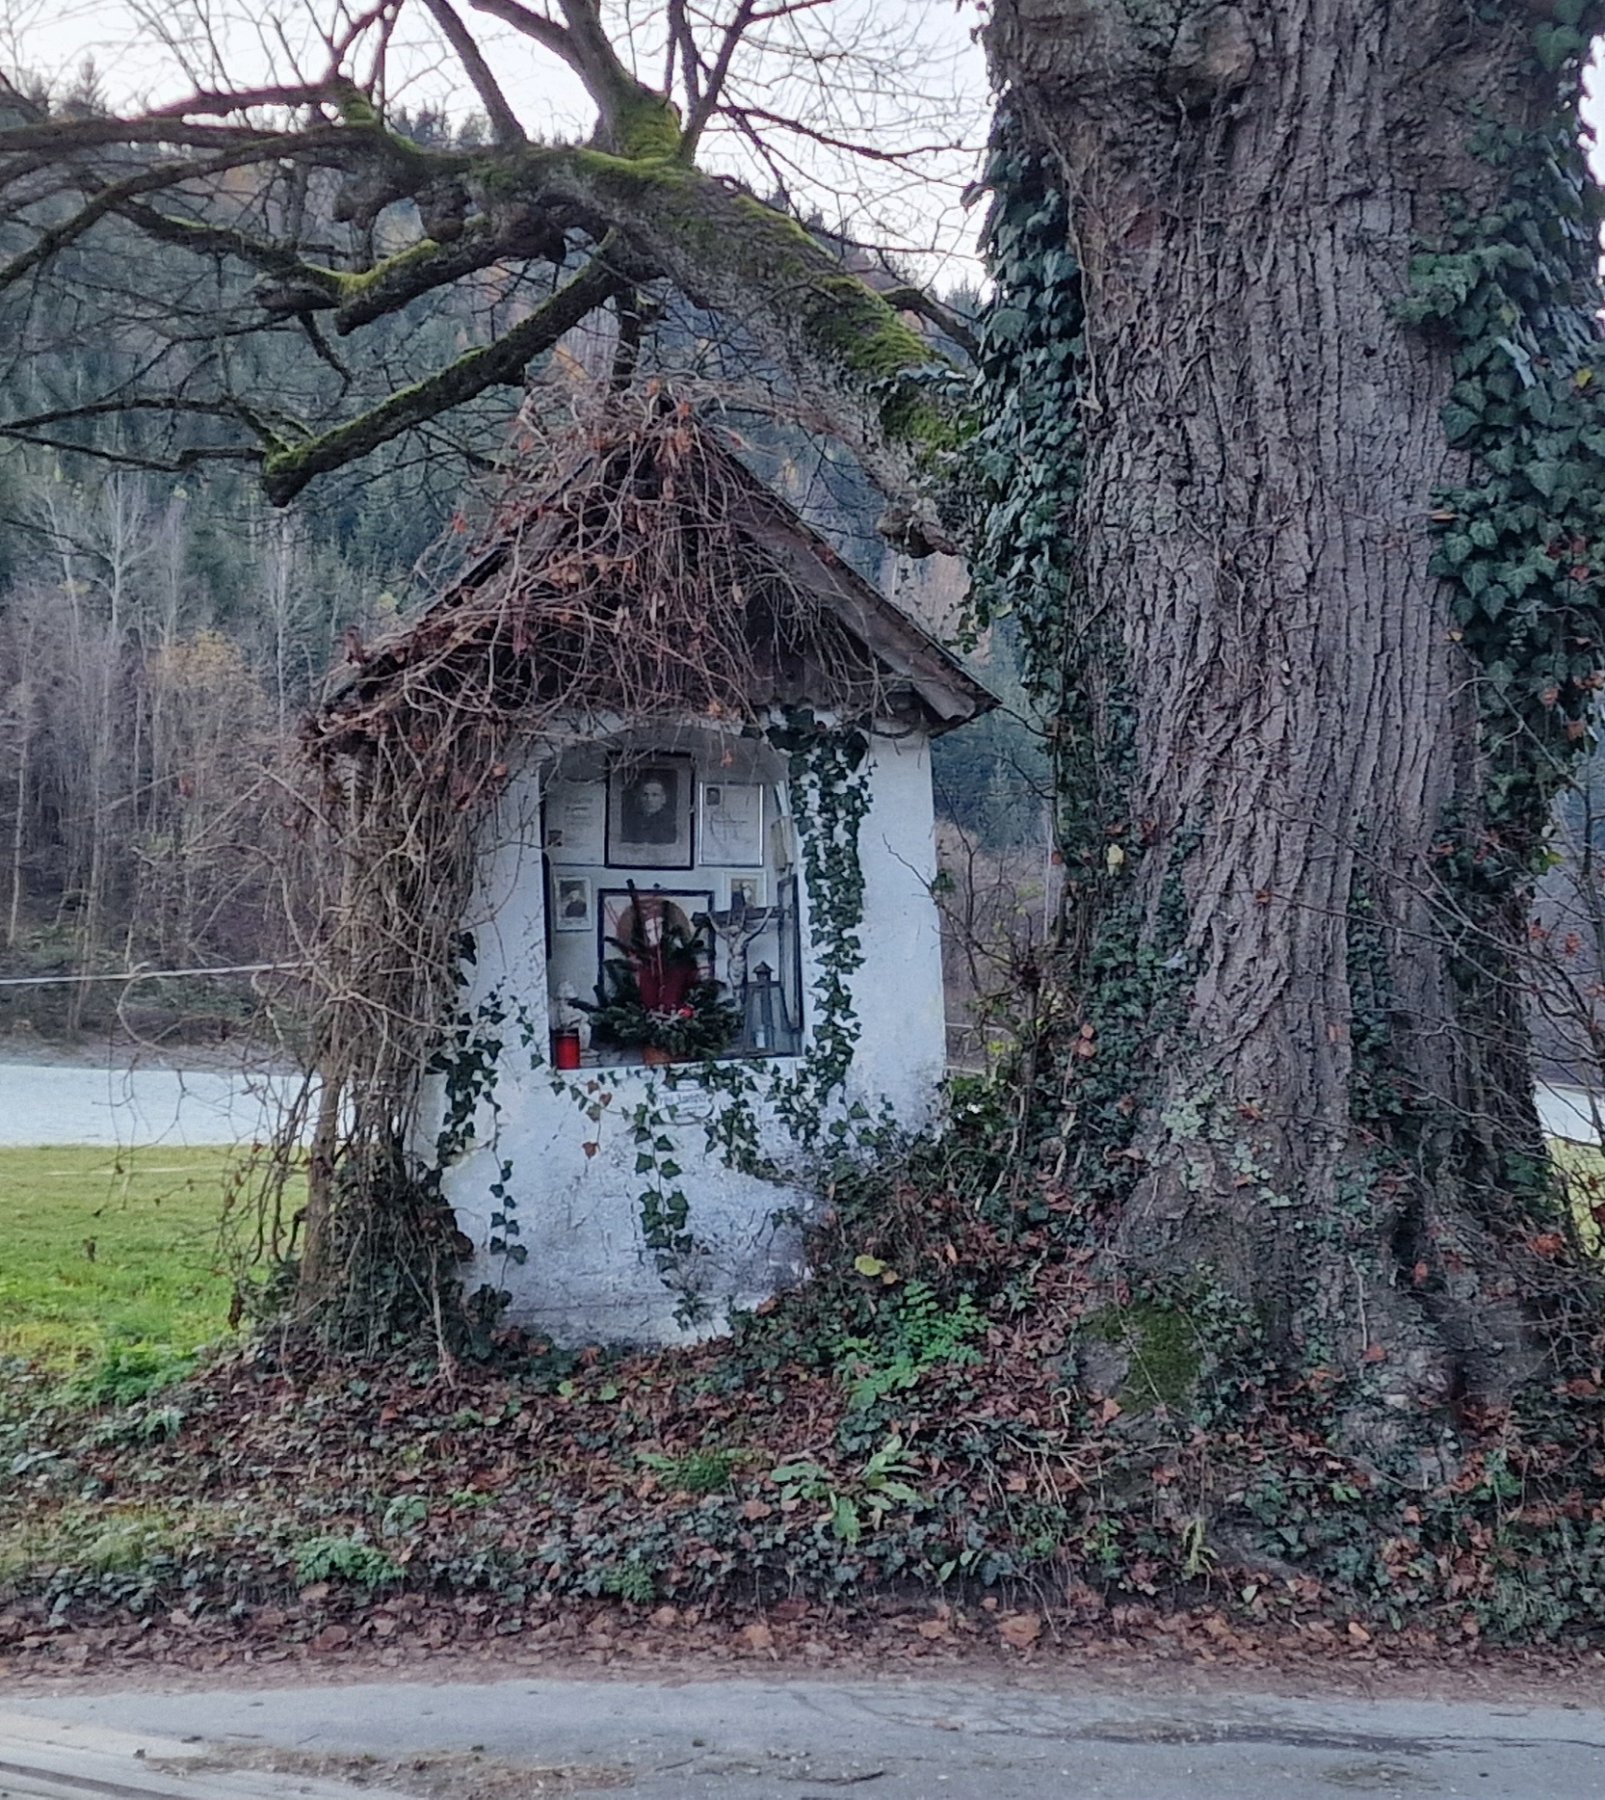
(223, 104)
(162, 403)
(681, 49)
(180, 464)
(111, 199)
(503, 120)
(508, 206)
(286, 472)
(703, 109)
(927, 306)
(227, 240)
(545, 32)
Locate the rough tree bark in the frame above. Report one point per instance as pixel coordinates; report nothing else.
(1246, 186)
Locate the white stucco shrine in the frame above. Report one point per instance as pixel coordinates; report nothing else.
(752, 887)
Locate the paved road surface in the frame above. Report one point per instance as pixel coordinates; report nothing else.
(68, 1103)
(76, 1103)
(908, 1740)
(42, 1759)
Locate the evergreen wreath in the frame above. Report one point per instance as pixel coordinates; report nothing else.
(654, 993)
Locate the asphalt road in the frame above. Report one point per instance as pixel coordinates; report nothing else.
(72, 1102)
(897, 1739)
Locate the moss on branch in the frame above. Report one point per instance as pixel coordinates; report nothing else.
(646, 126)
(853, 355)
(735, 255)
(389, 285)
(286, 472)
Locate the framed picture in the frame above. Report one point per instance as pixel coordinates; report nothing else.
(752, 889)
(572, 905)
(730, 821)
(649, 810)
(680, 908)
(573, 813)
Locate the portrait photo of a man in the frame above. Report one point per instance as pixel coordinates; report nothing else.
(572, 907)
(649, 814)
(649, 806)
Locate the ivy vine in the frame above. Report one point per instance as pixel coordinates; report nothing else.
(1117, 969)
(1516, 287)
(468, 1059)
(829, 798)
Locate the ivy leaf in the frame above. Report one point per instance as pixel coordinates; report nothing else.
(1557, 44)
(1520, 360)
(1459, 422)
(1457, 548)
(1008, 324)
(1546, 476)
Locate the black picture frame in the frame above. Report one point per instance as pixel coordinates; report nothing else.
(641, 835)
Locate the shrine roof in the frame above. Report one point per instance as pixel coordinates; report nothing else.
(914, 668)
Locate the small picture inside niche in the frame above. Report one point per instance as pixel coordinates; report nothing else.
(573, 904)
(731, 822)
(649, 813)
(573, 812)
(750, 891)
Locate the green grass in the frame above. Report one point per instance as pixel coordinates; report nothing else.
(1584, 1169)
(100, 1248)
(101, 1251)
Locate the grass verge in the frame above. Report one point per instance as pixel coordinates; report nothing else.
(104, 1247)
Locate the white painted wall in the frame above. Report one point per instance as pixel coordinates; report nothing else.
(588, 1276)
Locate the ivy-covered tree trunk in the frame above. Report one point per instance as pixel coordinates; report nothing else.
(1294, 911)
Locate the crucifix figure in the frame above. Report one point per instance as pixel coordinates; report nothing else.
(736, 927)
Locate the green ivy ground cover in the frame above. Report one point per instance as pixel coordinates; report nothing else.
(951, 1415)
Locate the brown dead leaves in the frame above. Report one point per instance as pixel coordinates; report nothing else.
(1020, 1630)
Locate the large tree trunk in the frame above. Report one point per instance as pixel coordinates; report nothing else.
(1324, 1094)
